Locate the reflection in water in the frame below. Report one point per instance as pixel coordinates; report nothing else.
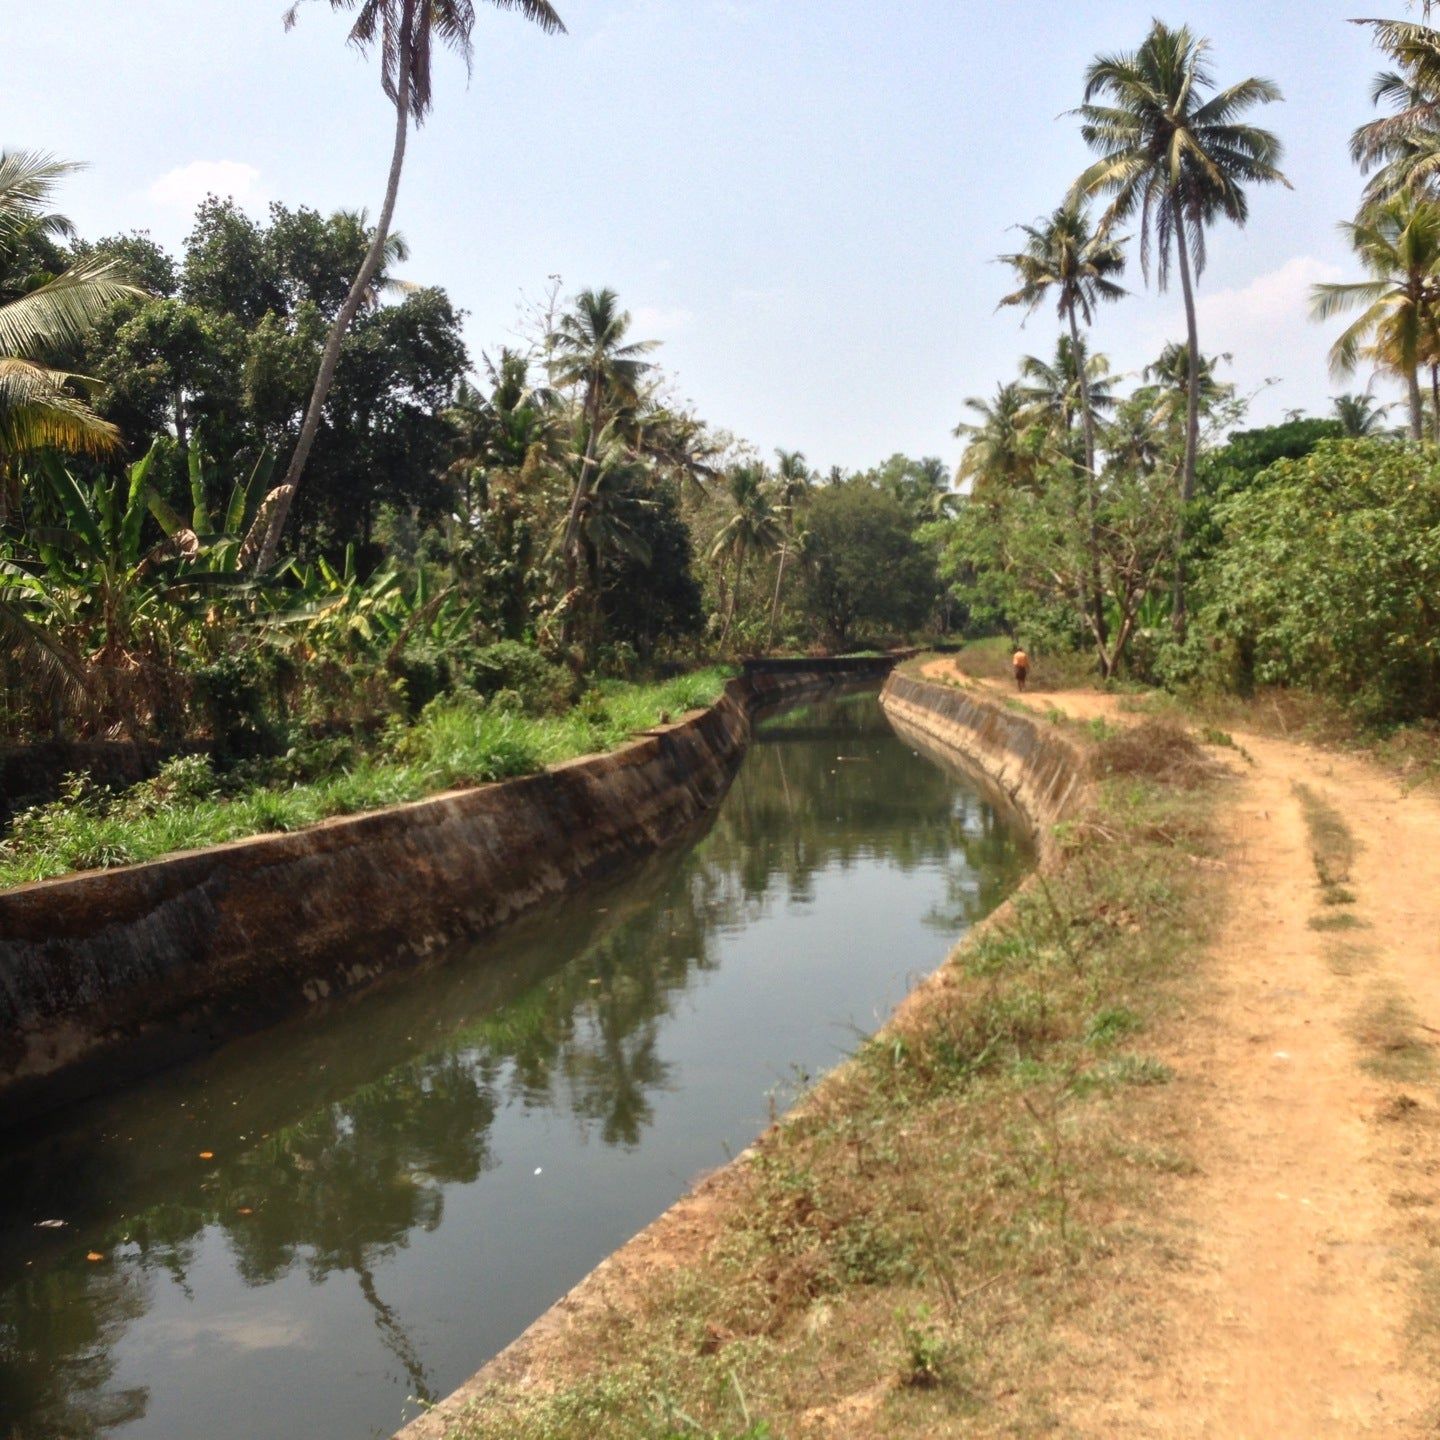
(259, 1213)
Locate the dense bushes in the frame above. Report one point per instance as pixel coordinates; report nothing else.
(1329, 577)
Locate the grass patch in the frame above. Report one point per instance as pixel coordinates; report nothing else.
(457, 741)
(1336, 920)
(1345, 958)
(901, 1255)
(1332, 845)
(1387, 1031)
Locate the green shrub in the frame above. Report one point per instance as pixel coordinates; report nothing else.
(545, 689)
(1327, 574)
(234, 693)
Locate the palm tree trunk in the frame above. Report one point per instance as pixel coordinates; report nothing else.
(1417, 405)
(1192, 423)
(284, 494)
(775, 606)
(582, 484)
(1435, 402)
(571, 544)
(734, 599)
(1087, 420)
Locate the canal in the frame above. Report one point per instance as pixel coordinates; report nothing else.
(321, 1226)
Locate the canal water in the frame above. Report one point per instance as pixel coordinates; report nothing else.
(321, 1226)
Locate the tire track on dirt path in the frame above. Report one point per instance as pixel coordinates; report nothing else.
(1307, 1096)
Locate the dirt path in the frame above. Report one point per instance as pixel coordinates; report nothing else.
(1298, 1304)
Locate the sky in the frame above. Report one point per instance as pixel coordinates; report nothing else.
(803, 199)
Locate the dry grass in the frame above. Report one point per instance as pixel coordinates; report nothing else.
(1160, 750)
(1388, 1033)
(1410, 752)
(938, 1237)
(1332, 846)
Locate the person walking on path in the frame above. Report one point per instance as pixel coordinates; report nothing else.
(1021, 661)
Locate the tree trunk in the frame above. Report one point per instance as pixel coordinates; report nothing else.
(182, 426)
(1417, 405)
(570, 545)
(284, 494)
(734, 599)
(1435, 403)
(1192, 425)
(775, 607)
(1087, 420)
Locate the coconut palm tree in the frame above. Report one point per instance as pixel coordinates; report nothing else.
(1063, 256)
(1177, 156)
(405, 32)
(42, 321)
(590, 352)
(1403, 148)
(1075, 383)
(1360, 416)
(793, 481)
(1169, 377)
(754, 526)
(1053, 387)
(1000, 451)
(1398, 242)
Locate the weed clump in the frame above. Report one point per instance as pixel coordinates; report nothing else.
(1159, 749)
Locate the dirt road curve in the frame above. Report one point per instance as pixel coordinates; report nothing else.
(1305, 1301)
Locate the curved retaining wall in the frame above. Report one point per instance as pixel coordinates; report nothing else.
(112, 973)
(1029, 760)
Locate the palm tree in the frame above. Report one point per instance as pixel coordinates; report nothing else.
(1398, 242)
(1181, 161)
(589, 352)
(1404, 145)
(41, 322)
(1052, 388)
(1359, 415)
(1000, 452)
(1063, 256)
(793, 479)
(405, 32)
(754, 525)
(1169, 376)
(1075, 382)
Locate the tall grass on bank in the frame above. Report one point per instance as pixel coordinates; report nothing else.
(457, 741)
(952, 1231)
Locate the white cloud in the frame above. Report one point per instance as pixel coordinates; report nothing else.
(1267, 311)
(186, 186)
(653, 322)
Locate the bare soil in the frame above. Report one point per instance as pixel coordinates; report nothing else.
(1301, 1298)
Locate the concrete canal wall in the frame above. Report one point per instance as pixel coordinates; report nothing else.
(108, 974)
(1031, 760)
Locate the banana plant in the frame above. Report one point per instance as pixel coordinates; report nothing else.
(200, 539)
(338, 610)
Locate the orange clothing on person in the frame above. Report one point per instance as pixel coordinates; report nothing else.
(1020, 660)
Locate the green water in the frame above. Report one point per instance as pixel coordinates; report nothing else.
(395, 1189)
